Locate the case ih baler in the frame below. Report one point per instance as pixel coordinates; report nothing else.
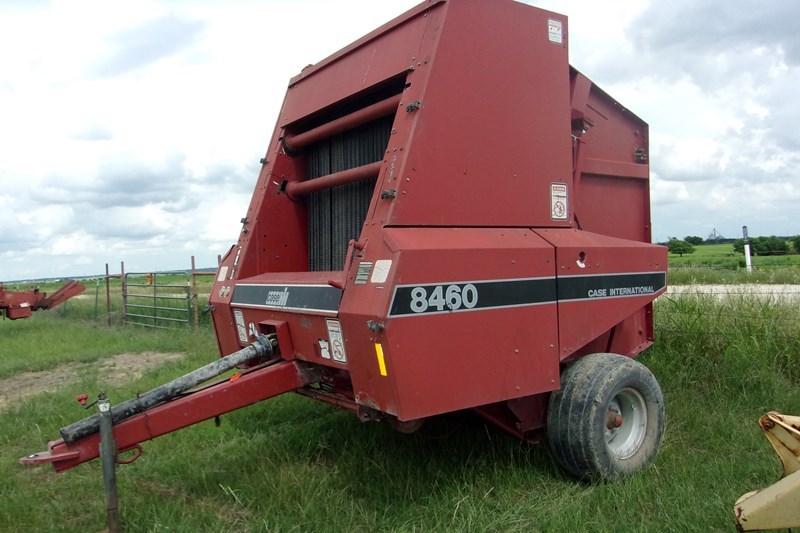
(448, 217)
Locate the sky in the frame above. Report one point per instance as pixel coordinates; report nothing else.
(132, 130)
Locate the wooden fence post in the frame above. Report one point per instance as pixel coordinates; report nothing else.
(108, 295)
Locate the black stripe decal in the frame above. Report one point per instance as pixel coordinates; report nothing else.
(435, 298)
(320, 298)
(469, 296)
(610, 286)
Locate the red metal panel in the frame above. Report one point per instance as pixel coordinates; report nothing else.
(623, 213)
(582, 321)
(616, 133)
(612, 155)
(387, 52)
(453, 360)
(493, 129)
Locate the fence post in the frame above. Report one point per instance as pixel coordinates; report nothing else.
(108, 296)
(195, 303)
(123, 283)
(96, 296)
(155, 298)
(747, 261)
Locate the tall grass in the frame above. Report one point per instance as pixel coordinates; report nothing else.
(690, 275)
(291, 464)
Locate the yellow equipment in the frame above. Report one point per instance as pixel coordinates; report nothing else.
(776, 506)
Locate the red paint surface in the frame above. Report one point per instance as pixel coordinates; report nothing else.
(472, 169)
(21, 304)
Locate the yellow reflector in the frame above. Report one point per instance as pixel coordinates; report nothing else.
(381, 362)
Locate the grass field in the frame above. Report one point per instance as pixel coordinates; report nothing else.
(718, 263)
(291, 464)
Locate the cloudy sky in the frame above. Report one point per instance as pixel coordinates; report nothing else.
(132, 130)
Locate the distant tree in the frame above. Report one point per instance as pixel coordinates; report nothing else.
(677, 246)
(773, 246)
(763, 246)
(694, 240)
(796, 244)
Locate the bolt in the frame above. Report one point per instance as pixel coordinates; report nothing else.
(614, 420)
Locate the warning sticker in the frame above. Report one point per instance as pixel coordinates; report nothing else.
(381, 271)
(554, 31)
(337, 341)
(558, 201)
(240, 327)
(324, 349)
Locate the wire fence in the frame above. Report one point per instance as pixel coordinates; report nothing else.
(733, 267)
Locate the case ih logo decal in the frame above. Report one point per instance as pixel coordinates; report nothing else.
(415, 300)
(302, 298)
(278, 298)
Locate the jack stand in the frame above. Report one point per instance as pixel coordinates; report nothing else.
(108, 456)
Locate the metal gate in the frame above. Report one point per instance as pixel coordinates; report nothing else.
(153, 304)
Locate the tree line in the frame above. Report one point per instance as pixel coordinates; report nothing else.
(758, 245)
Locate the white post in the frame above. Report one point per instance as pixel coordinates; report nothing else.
(748, 263)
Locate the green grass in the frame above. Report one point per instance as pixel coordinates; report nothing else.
(292, 464)
(718, 263)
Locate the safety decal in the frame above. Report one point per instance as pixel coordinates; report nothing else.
(324, 349)
(381, 359)
(381, 271)
(558, 201)
(337, 341)
(240, 328)
(362, 275)
(554, 31)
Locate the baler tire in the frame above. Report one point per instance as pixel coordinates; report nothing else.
(580, 416)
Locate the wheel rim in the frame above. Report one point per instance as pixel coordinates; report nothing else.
(626, 423)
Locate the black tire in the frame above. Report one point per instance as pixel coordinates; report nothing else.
(585, 434)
